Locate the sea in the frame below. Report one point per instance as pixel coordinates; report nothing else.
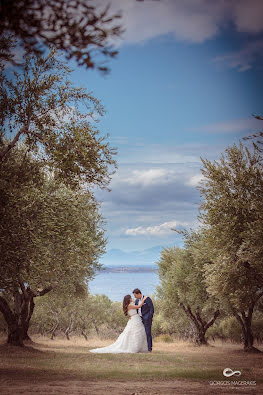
(117, 282)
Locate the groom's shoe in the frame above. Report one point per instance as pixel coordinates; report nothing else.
(149, 350)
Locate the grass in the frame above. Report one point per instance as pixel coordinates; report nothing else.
(62, 360)
(169, 360)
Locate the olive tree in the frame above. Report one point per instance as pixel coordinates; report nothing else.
(58, 312)
(50, 235)
(40, 106)
(232, 214)
(183, 286)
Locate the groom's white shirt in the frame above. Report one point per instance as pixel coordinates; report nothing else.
(140, 310)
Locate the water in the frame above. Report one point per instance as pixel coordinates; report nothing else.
(116, 285)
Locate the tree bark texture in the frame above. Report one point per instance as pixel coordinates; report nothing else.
(18, 319)
(245, 320)
(200, 324)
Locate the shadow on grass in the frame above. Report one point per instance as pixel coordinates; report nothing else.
(10, 349)
(44, 375)
(55, 362)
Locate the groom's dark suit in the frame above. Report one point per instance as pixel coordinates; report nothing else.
(147, 310)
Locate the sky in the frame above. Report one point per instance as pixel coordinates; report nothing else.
(184, 86)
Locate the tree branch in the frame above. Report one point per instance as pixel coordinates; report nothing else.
(47, 289)
(198, 316)
(14, 141)
(210, 323)
(235, 313)
(31, 308)
(23, 288)
(190, 315)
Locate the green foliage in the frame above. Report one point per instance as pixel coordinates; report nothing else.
(157, 325)
(51, 232)
(164, 338)
(232, 212)
(116, 319)
(182, 277)
(56, 120)
(48, 232)
(71, 313)
(230, 329)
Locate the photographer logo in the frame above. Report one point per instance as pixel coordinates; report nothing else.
(229, 372)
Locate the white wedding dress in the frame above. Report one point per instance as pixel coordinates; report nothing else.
(131, 340)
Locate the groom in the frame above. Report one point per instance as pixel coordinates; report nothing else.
(146, 312)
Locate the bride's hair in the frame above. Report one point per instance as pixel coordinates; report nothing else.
(125, 304)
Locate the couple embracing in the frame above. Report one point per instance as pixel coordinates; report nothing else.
(136, 336)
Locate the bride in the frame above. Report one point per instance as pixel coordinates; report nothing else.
(133, 338)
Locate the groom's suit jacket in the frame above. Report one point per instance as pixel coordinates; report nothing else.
(147, 309)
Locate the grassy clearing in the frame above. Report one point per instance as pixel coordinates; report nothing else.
(68, 360)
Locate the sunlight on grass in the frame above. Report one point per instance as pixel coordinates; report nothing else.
(180, 360)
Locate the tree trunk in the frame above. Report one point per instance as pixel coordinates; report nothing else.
(53, 332)
(67, 333)
(27, 306)
(201, 339)
(96, 327)
(245, 320)
(15, 333)
(56, 325)
(25, 333)
(27, 314)
(15, 330)
(85, 335)
(24, 307)
(70, 327)
(200, 324)
(18, 320)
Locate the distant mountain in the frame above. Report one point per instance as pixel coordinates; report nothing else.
(117, 257)
(130, 269)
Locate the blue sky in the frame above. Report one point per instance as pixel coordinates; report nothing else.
(185, 84)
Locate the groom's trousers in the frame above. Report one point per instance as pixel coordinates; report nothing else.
(148, 329)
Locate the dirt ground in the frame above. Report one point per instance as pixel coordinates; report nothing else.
(20, 372)
(102, 387)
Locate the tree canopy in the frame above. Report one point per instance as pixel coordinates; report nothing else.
(183, 284)
(232, 214)
(82, 29)
(49, 233)
(40, 105)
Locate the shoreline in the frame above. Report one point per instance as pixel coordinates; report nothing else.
(128, 269)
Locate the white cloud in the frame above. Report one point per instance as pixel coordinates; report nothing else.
(193, 20)
(187, 21)
(156, 230)
(150, 176)
(195, 180)
(145, 196)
